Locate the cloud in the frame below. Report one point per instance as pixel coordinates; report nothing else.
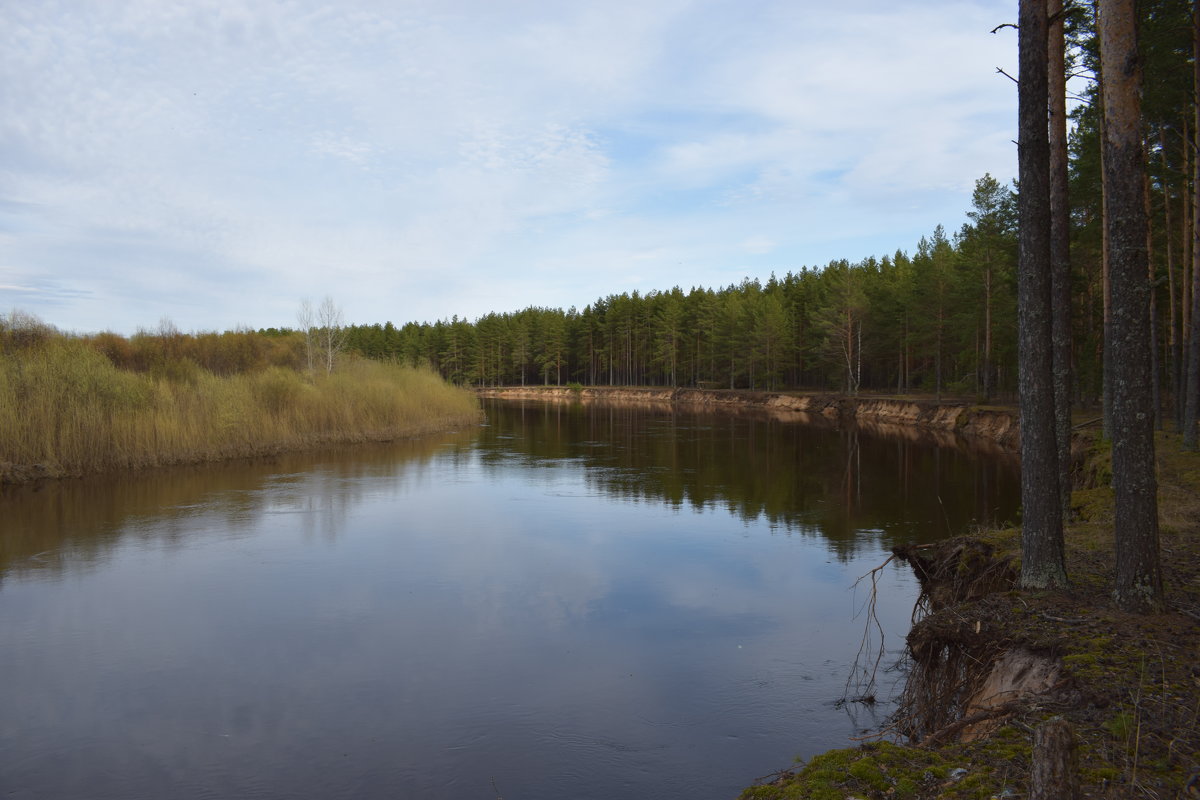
(758, 245)
(215, 160)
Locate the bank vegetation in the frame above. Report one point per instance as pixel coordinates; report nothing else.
(71, 405)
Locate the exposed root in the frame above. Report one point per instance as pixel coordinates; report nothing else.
(956, 570)
(860, 683)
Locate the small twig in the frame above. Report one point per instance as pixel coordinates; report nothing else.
(1005, 25)
(1005, 74)
(879, 734)
(774, 776)
(1065, 620)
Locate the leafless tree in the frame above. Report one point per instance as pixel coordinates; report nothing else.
(306, 318)
(331, 332)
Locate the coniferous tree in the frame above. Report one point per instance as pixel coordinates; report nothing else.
(1139, 581)
(1042, 564)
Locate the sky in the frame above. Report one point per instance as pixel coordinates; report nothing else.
(216, 162)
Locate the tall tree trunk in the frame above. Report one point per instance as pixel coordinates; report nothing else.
(1186, 249)
(987, 330)
(1106, 284)
(1155, 376)
(1192, 390)
(1041, 536)
(1060, 251)
(1173, 351)
(1139, 579)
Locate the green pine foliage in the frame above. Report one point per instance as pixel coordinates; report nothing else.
(900, 323)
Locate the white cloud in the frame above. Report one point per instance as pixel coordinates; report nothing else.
(214, 160)
(758, 245)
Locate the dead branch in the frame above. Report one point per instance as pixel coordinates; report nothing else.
(955, 727)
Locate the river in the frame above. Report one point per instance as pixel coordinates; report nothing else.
(565, 602)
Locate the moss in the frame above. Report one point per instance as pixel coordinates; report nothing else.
(867, 772)
(1093, 505)
(1100, 774)
(1121, 726)
(884, 769)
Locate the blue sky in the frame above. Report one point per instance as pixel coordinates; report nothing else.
(215, 161)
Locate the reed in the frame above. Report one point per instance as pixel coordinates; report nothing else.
(67, 409)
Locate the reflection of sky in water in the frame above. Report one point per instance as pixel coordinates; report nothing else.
(417, 625)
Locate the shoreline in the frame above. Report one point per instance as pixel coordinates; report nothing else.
(945, 420)
(12, 475)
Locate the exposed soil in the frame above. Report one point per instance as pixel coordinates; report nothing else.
(991, 663)
(909, 415)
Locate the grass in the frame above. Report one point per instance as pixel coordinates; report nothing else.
(67, 409)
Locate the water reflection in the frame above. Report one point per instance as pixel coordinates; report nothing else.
(53, 525)
(802, 476)
(615, 603)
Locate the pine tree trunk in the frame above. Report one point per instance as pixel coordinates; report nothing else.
(1041, 537)
(987, 332)
(1175, 376)
(1186, 248)
(1060, 251)
(1054, 773)
(1139, 580)
(1192, 389)
(1155, 376)
(1106, 348)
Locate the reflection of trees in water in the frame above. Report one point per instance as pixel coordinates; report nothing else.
(810, 479)
(68, 524)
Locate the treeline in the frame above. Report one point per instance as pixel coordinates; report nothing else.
(942, 319)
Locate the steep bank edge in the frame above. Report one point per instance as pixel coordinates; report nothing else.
(997, 425)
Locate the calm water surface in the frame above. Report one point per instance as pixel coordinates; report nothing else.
(563, 603)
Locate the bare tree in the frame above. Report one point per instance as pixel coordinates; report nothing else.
(1139, 577)
(306, 318)
(1042, 564)
(331, 332)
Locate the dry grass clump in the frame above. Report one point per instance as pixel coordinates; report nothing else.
(66, 408)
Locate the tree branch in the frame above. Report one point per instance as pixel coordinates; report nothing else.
(1005, 74)
(1005, 25)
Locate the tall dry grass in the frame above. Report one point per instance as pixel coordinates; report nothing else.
(67, 409)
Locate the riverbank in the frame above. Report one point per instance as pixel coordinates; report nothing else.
(990, 666)
(942, 421)
(67, 410)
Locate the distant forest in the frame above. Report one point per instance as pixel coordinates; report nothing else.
(938, 319)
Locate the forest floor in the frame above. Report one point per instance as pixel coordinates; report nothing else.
(1128, 685)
